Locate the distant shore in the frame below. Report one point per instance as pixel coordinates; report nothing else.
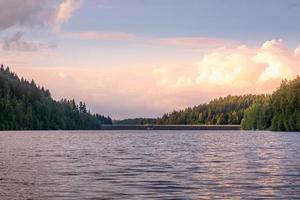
(169, 127)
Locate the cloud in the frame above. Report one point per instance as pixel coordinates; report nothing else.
(249, 68)
(297, 51)
(27, 13)
(281, 63)
(94, 35)
(203, 43)
(16, 43)
(65, 11)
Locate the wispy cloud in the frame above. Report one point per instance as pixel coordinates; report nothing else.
(94, 35)
(16, 42)
(65, 11)
(203, 43)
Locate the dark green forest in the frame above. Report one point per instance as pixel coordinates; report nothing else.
(222, 111)
(279, 111)
(136, 121)
(26, 106)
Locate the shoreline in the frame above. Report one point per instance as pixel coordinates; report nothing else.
(170, 127)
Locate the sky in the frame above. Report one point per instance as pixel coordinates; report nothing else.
(143, 58)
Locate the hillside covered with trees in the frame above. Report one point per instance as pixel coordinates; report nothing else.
(222, 111)
(280, 112)
(27, 106)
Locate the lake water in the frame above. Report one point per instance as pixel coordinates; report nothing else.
(149, 165)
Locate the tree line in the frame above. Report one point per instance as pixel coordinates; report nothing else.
(279, 112)
(27, 106)
(221, 111)
(135, 121)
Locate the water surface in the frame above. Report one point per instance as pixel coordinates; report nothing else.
(149, 165)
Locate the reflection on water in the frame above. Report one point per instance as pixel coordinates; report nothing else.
(149, 165)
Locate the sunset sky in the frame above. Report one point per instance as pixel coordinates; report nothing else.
(141, 58)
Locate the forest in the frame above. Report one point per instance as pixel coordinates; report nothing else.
(222, 111)
(26, 106)
(279, 111)
(135, 121)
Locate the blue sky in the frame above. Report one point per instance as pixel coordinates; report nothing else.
(246, 21)
(141, 58)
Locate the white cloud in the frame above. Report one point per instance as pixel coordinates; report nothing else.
(65, 11)
(272, 44)
(297, 51)
(249, 65)
(280, 63)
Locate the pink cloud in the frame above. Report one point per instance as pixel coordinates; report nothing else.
(203, 43)
(251, 66)
(94, 35)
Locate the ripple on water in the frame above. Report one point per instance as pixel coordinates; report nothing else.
(149, 165)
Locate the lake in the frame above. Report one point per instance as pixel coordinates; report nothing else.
(149, 165)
